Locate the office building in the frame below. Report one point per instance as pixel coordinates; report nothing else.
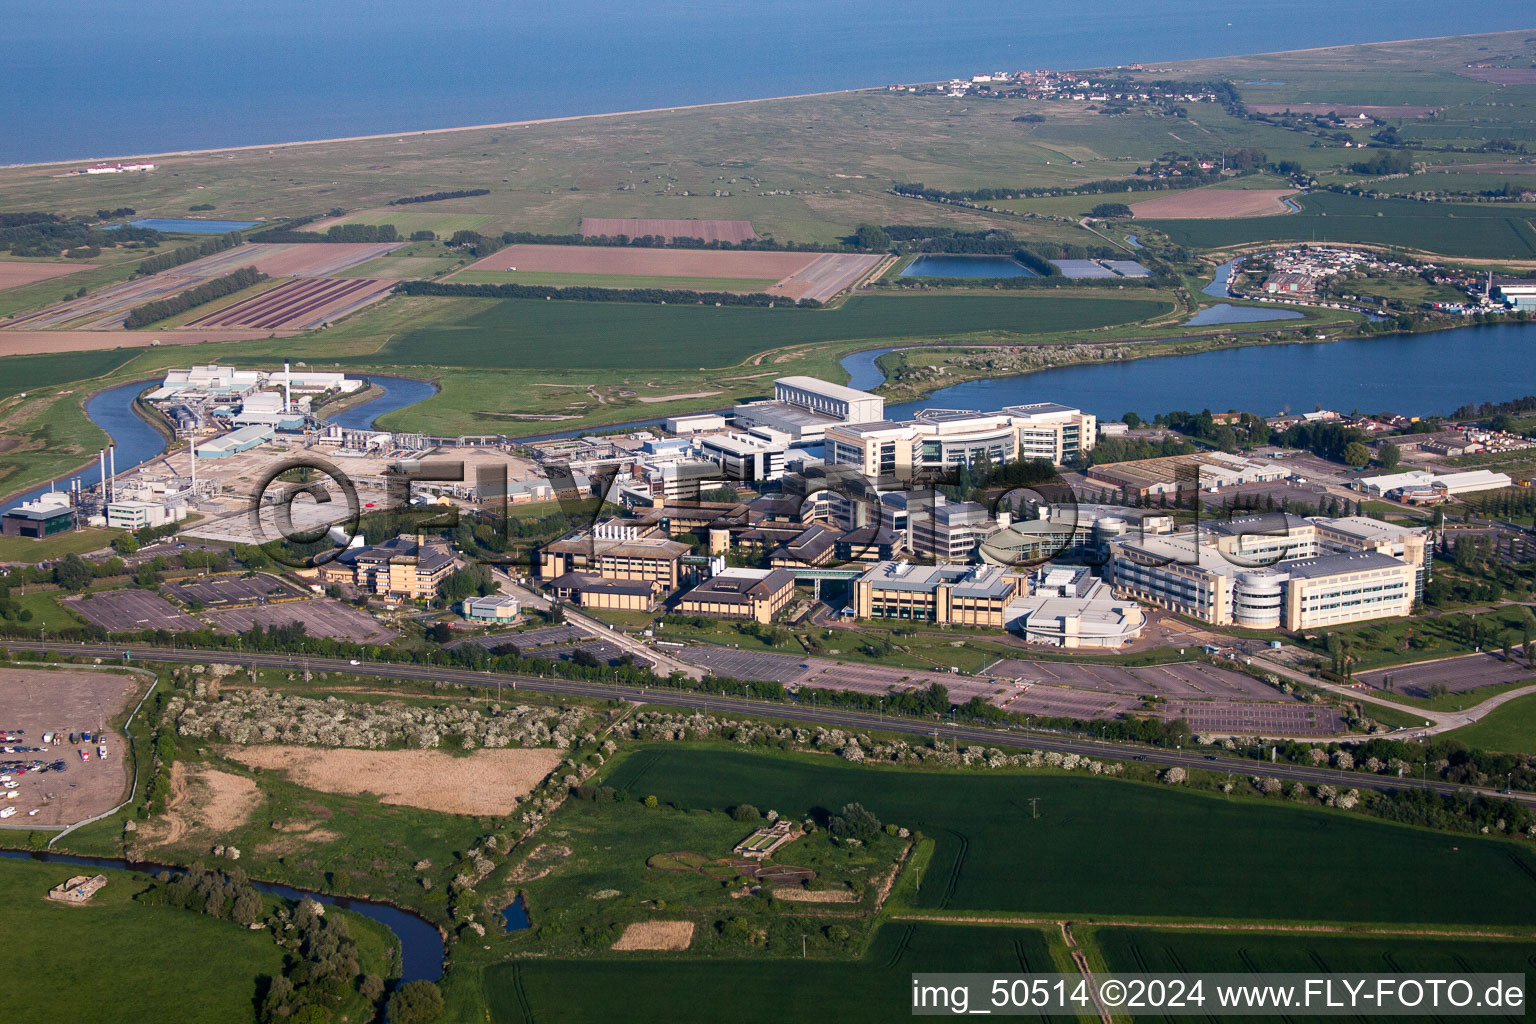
(756, 594)
(961, 595)
(44, 516)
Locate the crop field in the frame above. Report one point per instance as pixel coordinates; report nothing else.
(301, 303)
(520, 333)
(1494, 231)
(982, 821)
(16, 273)
(310, 259)
(1127, 950)
(664, 989)
(1214, 204)
(634, 227)
(554, 280)
(30, 372)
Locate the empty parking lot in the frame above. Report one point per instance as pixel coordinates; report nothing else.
(131, 611)
(1457, 674)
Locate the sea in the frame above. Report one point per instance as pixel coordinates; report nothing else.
(85, 79)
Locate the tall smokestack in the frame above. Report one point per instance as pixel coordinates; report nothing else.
(101, 457)
(192, 453)
(112, 467)
(287, 389)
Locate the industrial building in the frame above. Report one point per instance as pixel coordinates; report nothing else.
(802, 408)
(961, 595)
(137, 515)
(44, 516)
(495, 609)
(1446, 485)
(234, 442)
(1206, 471)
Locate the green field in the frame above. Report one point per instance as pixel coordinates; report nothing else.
(419, 217)
(1500, 231)
(1509, 728)
(1135, 950)
(530, 334)
(554, 280)
(125, 961)
(1113, 848)
(28, 373)
(645, 988)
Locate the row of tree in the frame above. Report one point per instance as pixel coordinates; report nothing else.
(434, 197)
(592, 294)
(161, 309)
(187, 253)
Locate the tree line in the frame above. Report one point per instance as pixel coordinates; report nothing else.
(592, 294)
(288, 235)
(37, 233)
(665, 242)
(433, 197)
(160, 309)
(187, 253)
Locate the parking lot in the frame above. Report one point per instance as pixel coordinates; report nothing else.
(322, 616)
(216, 591)
(1468, 672)
(129, 611)
(39, 701)
(1192, 680)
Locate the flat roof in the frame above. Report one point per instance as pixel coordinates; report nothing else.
(827, 388)
(1334, 565)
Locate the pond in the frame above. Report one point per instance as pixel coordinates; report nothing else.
(945, 265)
(514, 916)
(1226, 313)
(421, 946)
(193, 226)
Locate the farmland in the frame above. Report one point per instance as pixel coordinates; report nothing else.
(1492, 232)
(981, 821)
(301, 303)
(16, 274)
(517, 332)
(1214, 204)
(709, 230)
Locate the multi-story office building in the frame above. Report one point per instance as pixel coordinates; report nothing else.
(615, 551)
(936, 440)
(804, 407)
(406, 568)
(962, 595)
(745, 456)
(756, 594)
(1361, 533)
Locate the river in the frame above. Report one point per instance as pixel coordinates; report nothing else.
(137, 442)
(398, 392)
(421, 946)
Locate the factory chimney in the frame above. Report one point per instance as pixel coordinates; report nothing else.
(101, 457)
(287, 389)
(112, 469)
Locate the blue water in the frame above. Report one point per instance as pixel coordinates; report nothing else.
(1219, 286)
(137, 441)
(1134, 241)
(514, 916)
(1226, 313)
(862, 371)
(399, 392)
(421, 947)
(1410, 374)
(185, 74)
(966, 266)
(191, 226)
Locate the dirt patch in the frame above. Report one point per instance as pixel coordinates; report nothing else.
(667, 935)
(1344, 109)
(635, 227)
(816, 895)
(680, 861)
(293, 836)
(544, 859)
(486, 782)
(674, 398)
(1214, 204)
(20, 343)
(203, 799)
(14, 275)
(313, 259)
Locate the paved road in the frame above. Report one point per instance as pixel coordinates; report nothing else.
(794, 711)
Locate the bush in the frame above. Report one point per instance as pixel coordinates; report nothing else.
(745, 812)
(416, 1002)
(854, 822)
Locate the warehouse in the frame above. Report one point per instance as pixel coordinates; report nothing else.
(234, 442)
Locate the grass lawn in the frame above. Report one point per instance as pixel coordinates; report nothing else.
(554, 280)
(661, 988)
(1491, 231)
(75, 542)
(1149, 851)
(1509, 728)
(28, 373)
(125, 961)
(527, 333)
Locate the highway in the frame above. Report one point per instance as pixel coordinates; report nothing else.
(792, 711)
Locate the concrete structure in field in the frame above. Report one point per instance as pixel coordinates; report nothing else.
(496, 609)
(78, 889)
(936, 440)
(961, 595)
(756, 594)
(44, 516)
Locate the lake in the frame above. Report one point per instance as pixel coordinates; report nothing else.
(966, 266)
(1415, 374)
(189, 226)
(190, 74)
(1226, 313)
